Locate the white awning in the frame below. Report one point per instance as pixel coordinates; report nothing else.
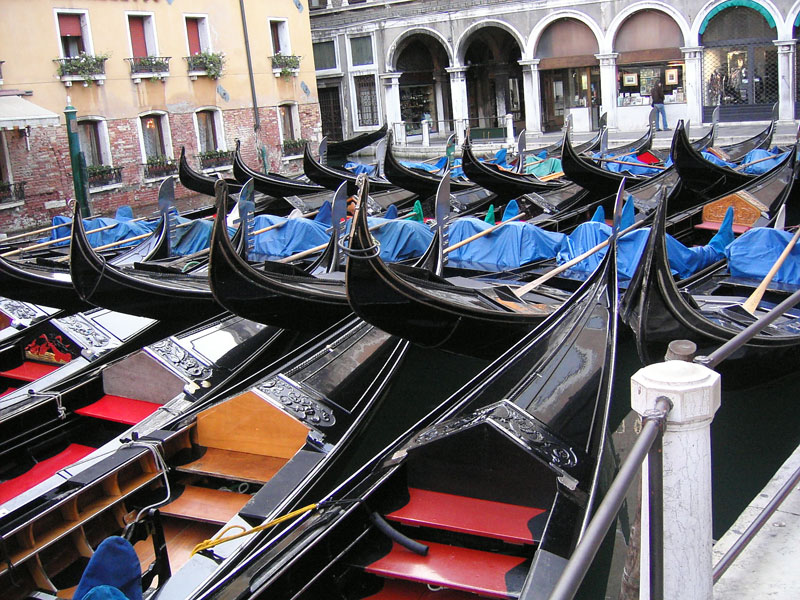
(16, 112)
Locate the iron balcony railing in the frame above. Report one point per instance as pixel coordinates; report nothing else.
(220, 158)
(85, 66)
(143, 65)
(160, 169)
(106, 175)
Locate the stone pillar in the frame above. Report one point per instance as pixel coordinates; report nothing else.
(608, 87)
(501, 90)
(695, 393)
(532, 95)
(786, 79)
(509, 123)
(391, 92)
(458, 90)
(693, 83)
(426, 132)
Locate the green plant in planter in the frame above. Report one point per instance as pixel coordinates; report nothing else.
(287, 63)
(210, 62)
(150, 64)
(84, 65)
(291, 147)
(99, 171)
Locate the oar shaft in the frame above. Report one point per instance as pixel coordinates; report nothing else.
(752, 162)
(281, 223)
(751, 304)
(521, 291)
(51, 242)
(315, 249)
(480, 234)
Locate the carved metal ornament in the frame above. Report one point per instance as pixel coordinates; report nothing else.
(17, 310)
(84, 332)
(180, 359)
(511, 420)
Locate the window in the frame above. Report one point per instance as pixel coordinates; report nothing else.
(89, 136)
(156, 145)
(279, 35)
(142, 34)
(287, 121)
(73, 32)
(325, 55)
(197, 35)
(153, 136)
(207, 130)
(361, 50)
(366, 100)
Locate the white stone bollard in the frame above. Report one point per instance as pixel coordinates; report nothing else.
(695, 393)
(426, 132)
(510, 129)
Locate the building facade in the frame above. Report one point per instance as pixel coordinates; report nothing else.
(468, 63)
(148, 78)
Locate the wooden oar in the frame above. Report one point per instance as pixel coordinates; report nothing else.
(521, 291)
(751, 304)
(551, 176)
(44, 229)
(482, 233)
(51, 242)
(762, 159)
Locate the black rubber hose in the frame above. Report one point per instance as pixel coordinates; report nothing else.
(396, 536)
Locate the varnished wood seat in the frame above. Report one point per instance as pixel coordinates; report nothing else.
(205, 504)
(239, 466)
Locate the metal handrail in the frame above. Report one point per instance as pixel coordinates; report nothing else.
(648, 444)
(741, 543)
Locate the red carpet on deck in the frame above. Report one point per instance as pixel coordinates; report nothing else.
(119, 409)
(41, 471)
(29, 371)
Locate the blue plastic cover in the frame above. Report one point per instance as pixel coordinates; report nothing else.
(509, 246)
(359, 168)
(547, 166)
(713, 158)
(295, 235)
(400, 239)
(768, 159)
(195, 237)
(754, 252)
(121, 231)
(683, 261)
(632, 165)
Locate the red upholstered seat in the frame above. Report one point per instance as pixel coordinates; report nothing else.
(485, 518)
(714, 226)
(7, 391)
(119, 409)
(41, 471)
(29, 371)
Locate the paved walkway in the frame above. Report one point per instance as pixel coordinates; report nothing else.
(769, 567)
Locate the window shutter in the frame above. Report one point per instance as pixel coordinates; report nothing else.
(138, 42)
(69, 25)
(193, 33)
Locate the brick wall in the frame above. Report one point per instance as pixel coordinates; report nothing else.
(46, 166)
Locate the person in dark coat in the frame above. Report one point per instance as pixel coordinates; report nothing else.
(657, 100)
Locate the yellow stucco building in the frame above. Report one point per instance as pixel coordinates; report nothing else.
(147, 77)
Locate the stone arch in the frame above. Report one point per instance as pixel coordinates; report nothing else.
(792, 16)
(396, 45)
(463, 40)
(629, 11)
(767, 6)
(541, 26)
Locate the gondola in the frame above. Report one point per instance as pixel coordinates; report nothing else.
(554, 150)
(271, 184)
(216, 454)
(337, 151)
(484, 497)
(17, 316)
(331, 178)
(703, 309)
(760, 141)
(505, 184)
(420, 182)
(50, 283)
(200, 182)
(471, 318)
(175, 297)
(699, 175)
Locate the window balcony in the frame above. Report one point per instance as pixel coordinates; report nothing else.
(155, 68)
(285, 65)
(205, 64)
(86, 68)
(294, 147)
(12, 192)
(215, 158)
(103, 175)
(159, 167)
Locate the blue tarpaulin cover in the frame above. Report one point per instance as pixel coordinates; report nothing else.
(122, 230)
(296, 235)
(757, 168)
(400, 239)
(195, 237)
(754, 252)
(632, 165)
(359, 168)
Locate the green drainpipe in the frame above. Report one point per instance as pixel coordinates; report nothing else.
(78, 169)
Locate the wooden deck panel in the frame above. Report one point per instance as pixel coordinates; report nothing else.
(238, 466)
(206, 504)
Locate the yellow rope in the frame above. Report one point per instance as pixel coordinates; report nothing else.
(221, 540)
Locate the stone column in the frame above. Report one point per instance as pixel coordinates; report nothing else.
(786, 79)
(695, 394)
(532, 95)
(391, 92)
(501, 90)
(458, 90)
(608, 87)
(693, 83)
